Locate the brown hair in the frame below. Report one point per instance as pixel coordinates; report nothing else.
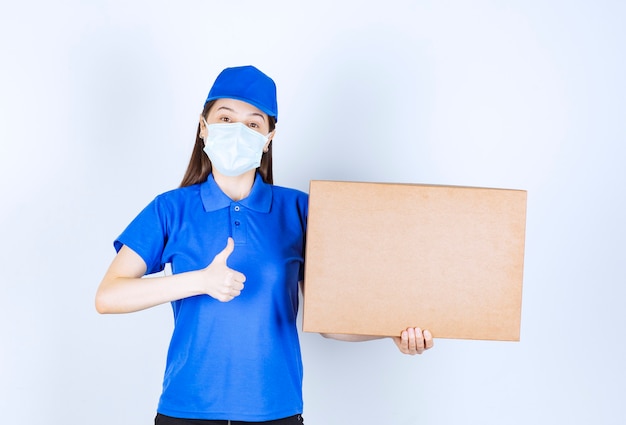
(200, 167)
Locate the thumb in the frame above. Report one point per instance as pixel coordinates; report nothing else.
(223, 256)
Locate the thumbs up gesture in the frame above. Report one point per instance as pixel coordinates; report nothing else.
(222, 282)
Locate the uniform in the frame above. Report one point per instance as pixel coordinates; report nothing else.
(238, 360)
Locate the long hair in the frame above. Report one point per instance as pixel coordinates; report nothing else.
(200, 166)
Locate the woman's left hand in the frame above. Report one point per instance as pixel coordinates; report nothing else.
(413, 341)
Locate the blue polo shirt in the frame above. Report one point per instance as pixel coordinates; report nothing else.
(238, 360)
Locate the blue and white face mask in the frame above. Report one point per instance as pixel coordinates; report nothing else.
(233, 148)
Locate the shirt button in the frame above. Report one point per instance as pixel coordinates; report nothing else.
(236, 207)
(237, 223)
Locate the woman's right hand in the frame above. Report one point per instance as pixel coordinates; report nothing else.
(123, 290)
(221, 282)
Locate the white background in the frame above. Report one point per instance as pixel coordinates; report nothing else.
(99, 103)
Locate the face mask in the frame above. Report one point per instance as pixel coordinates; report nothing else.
(234, 148)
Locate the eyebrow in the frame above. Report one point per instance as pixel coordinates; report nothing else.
(233, 111)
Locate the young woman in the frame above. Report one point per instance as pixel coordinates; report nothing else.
(235, 243)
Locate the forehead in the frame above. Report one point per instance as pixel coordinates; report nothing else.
(237, 107)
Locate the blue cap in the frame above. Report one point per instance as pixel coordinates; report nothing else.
(248, 84)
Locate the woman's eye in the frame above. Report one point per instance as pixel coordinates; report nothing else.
(225, 119)
(253, 125)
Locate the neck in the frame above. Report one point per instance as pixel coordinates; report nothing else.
(236, 187)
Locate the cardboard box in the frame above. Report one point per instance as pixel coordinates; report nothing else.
(382, 257)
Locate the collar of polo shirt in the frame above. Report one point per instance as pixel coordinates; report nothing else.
(259, 199)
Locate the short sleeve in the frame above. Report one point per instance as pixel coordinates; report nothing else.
(147, 235)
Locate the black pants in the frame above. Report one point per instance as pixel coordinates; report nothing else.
(167, 420)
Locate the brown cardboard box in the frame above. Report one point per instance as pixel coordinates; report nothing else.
(382, 257)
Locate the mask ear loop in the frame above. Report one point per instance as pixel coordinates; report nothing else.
(206, 128)
(269, 145)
